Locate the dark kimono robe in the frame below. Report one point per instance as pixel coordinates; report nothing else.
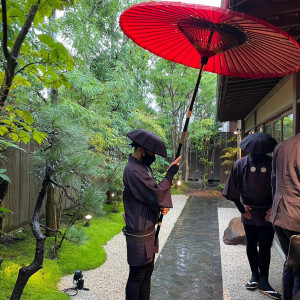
(142, 198)
(251, 182)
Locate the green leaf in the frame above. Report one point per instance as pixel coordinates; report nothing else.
(27, 117)
(9, 108)
(3, 130)
(15, 12)
(25, 126)
(25, 49)
(5, 209)
(61, 49)
(19, 112)
(46, 11)
(55, 4)
(14, 137)
(24, 136)
(47, 40)
(42, 69)
(39, 136)
(54, 55)
(36, 20)
(12, 115)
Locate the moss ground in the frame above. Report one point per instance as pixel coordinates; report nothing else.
(18, 251)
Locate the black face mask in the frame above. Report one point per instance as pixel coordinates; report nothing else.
(147, 160)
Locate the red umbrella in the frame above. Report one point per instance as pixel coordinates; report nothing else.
(212, 39)
(236, 44)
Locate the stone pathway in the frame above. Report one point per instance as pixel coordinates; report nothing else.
(189, 266)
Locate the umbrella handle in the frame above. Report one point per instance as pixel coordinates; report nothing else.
(158, 227)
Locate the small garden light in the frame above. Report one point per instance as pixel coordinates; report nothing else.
(113, 194)
(88, 219)
(178, 182)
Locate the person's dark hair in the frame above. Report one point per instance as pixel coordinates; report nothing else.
(135, 145)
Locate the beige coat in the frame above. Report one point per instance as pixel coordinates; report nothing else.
(286, 185)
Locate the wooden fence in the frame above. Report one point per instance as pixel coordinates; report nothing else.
(24, 190)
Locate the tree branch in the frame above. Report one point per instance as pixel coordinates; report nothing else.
(25, 28)
(4, 25)
(64, 189)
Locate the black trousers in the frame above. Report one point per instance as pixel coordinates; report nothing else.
(291, 277)
(139, 281)
(259, 260)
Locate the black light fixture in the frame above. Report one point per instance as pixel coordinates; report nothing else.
(88, 218)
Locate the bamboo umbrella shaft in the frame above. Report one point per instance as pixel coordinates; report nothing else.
(189, 113)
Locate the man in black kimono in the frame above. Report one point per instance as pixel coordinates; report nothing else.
(250, 181)
(143, 200)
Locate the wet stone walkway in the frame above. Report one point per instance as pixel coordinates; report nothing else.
(189, 266)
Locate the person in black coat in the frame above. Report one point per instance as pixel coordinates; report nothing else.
(143, 200)
(250, 181)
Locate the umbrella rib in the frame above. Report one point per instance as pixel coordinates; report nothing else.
(241, 61)
(253, 65)
(259, 49)
(277, 44)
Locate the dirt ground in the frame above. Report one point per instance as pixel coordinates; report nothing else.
(202, 193)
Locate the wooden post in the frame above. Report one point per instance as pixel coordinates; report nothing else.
(296, 103)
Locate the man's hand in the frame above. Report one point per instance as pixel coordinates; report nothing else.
(268, 215)
(164, 210)
(247, 213)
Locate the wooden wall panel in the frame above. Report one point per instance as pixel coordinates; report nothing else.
(24, 191)
(24, 200)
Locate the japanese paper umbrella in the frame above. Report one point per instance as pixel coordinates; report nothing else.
(211, 39)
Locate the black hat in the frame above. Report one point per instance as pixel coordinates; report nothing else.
(258, 143)
(148, 140)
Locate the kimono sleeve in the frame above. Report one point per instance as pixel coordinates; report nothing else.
(232, 188)
(145, 189)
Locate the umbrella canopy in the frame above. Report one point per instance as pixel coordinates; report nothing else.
(148, 140)
(258, 143)
(235, 44)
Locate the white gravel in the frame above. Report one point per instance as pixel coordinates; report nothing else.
(109, 280)
(235, 267)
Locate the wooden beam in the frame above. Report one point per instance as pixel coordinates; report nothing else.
(285, 21)
(296, 104)
(265, 11)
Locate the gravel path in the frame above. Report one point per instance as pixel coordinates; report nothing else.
(108, 281)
